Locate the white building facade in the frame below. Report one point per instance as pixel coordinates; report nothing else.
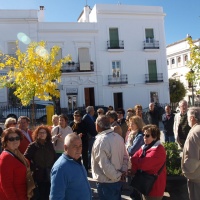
(178, 54)
(118, 51)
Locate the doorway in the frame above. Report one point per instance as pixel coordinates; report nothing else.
(72, 102)
(118, 100)
(89, 97)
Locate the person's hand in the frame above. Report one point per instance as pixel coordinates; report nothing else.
(80, 135)
(59, 135)
(130, 172)
(123, 177)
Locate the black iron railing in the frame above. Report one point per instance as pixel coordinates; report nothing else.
(75, 67)
(115, 44)
(151, 44)
(120, 79)
(153, 77)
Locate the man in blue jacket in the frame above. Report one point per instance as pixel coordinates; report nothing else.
(68, 175)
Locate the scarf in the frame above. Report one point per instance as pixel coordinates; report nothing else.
(19, 155)
(146, 147)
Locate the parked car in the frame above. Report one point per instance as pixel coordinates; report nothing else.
(15, 112)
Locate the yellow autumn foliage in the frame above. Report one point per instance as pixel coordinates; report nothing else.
(33, 73)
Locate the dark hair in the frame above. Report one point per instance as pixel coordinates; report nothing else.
(120, 110)
(64, 117)
(7, 132)
(153, 130)
(110, 107)
(46, 128)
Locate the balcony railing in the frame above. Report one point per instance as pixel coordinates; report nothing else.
(121, 79)
(115, 44)
(153, 78)
(75, 67)
(151, 44)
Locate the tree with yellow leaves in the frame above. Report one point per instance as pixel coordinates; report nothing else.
(194, 63)
(33, 73)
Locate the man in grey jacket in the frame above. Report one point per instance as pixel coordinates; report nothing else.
(191, 154)
(109, 160)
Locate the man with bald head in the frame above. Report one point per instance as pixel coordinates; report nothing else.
(68, 175)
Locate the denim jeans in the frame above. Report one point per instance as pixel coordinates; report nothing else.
(169, 138)
(109, 191)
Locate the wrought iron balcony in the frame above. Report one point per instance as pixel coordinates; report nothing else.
(154, 78)
(75, 67)
(115, 44)
(151, 44)
(121, 79)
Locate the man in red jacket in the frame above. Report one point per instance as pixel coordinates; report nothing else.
(23, 124)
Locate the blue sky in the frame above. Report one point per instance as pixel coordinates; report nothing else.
(182, 17)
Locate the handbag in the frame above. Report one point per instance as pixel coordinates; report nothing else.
(143, 182)
(29, 183)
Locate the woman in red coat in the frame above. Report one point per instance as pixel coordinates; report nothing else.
(150, 158)
(12, 170)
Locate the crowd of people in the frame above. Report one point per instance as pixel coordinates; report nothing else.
(114, 145)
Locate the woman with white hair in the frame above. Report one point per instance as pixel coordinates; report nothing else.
(10, 122)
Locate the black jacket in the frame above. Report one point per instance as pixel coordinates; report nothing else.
(168, 124)
(42, 158)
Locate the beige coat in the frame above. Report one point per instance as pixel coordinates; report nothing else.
(191, 155)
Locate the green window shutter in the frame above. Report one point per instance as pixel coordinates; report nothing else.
(114, 37)
(152, 70)
(149, 33)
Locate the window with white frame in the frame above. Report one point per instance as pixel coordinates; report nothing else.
(116, 69)
(154, 97)
(149, 34)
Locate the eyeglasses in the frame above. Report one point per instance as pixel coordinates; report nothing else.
(12, 139)
(13, 123)
(119, 113)
(42, 132)
(76, 115)
(147, 135)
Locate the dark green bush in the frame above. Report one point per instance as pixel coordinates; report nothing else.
(173, 160)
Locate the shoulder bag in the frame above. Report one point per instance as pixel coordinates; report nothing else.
(143, 182)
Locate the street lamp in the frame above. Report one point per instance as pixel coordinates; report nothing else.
(191, 85)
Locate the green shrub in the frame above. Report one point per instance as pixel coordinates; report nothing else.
(173, 160)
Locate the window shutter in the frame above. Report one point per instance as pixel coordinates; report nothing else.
(11, 48)
(152, 70)
(114, 38)
(84, 59)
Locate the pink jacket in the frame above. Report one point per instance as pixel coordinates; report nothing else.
(151, 163)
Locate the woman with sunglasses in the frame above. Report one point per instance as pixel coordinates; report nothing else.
(150, 158)
(10, 122)
(79, 127)
(42, 156)
(12, 166)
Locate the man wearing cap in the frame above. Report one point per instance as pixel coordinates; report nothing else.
(78, 126)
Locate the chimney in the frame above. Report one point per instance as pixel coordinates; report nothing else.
(86, 12)
(41, 14)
